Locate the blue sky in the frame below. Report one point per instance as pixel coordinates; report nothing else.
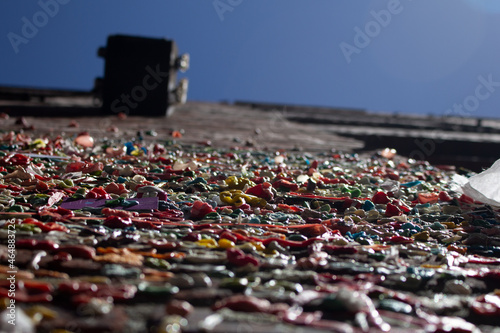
(425, 56)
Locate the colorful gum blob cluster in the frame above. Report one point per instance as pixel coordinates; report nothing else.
(159, 237)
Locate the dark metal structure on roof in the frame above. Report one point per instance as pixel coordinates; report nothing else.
(140, 78)
(140, 75)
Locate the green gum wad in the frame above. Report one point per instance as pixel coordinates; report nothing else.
(354, 192)
(80, 193)
(66, 183)
(38, 199)
(157, 290)
(157, 263)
